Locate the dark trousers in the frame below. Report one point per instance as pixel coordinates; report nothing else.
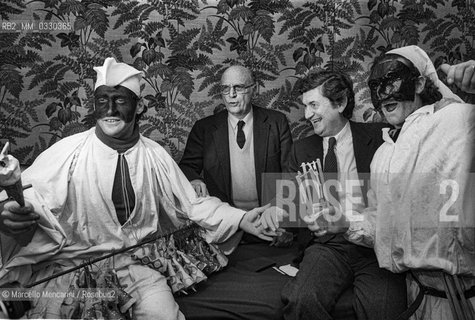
(328, 269)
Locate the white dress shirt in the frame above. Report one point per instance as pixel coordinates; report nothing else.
(350, 193)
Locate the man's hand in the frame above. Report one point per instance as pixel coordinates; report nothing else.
(15, 219)
(271, 218)
(200, 187)
(283, 239)
(250, 223)
(462, 74)
(326, 221)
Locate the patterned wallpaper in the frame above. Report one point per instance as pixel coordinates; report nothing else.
(48, 49)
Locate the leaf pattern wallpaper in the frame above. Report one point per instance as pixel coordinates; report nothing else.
(47, 77)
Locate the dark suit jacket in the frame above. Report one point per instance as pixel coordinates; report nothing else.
(206, 154)
(367, 137)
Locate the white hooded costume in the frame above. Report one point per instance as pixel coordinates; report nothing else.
(422, 193)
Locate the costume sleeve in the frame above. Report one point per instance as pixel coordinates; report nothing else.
(49, 176)
(52, 169)
(192, 161)
(362, 232)
(17, 261)
(219, 219)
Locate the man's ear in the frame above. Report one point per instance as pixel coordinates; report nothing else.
(140, 106)
(254, 91)
(420, 84)
(342, 104)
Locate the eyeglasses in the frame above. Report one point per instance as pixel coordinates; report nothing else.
(238, 88)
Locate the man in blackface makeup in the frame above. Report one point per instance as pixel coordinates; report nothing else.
(102, 190)
(421, 214)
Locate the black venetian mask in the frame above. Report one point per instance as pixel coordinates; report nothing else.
(391, 80)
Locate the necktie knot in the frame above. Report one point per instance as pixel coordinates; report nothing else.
(331, 143)
(240, 138)
(394, 133)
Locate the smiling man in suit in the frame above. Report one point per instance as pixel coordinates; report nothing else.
(331, 264)
(226, 153)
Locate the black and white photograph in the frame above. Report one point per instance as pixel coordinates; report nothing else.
(237, 159)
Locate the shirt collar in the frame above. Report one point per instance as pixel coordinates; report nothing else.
(340, 136)
(233, 121)
(425, 110)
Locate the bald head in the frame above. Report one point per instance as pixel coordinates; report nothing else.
(238, 72)
(238, 87)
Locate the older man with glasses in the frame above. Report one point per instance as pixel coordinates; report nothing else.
(227, 153)
(225, 156)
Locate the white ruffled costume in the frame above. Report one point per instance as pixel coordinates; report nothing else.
(72, 187)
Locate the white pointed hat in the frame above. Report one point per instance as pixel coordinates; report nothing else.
(114, 73)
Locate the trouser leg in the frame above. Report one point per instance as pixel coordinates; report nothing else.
(379, 293)
(323, 276)
(154, 299)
